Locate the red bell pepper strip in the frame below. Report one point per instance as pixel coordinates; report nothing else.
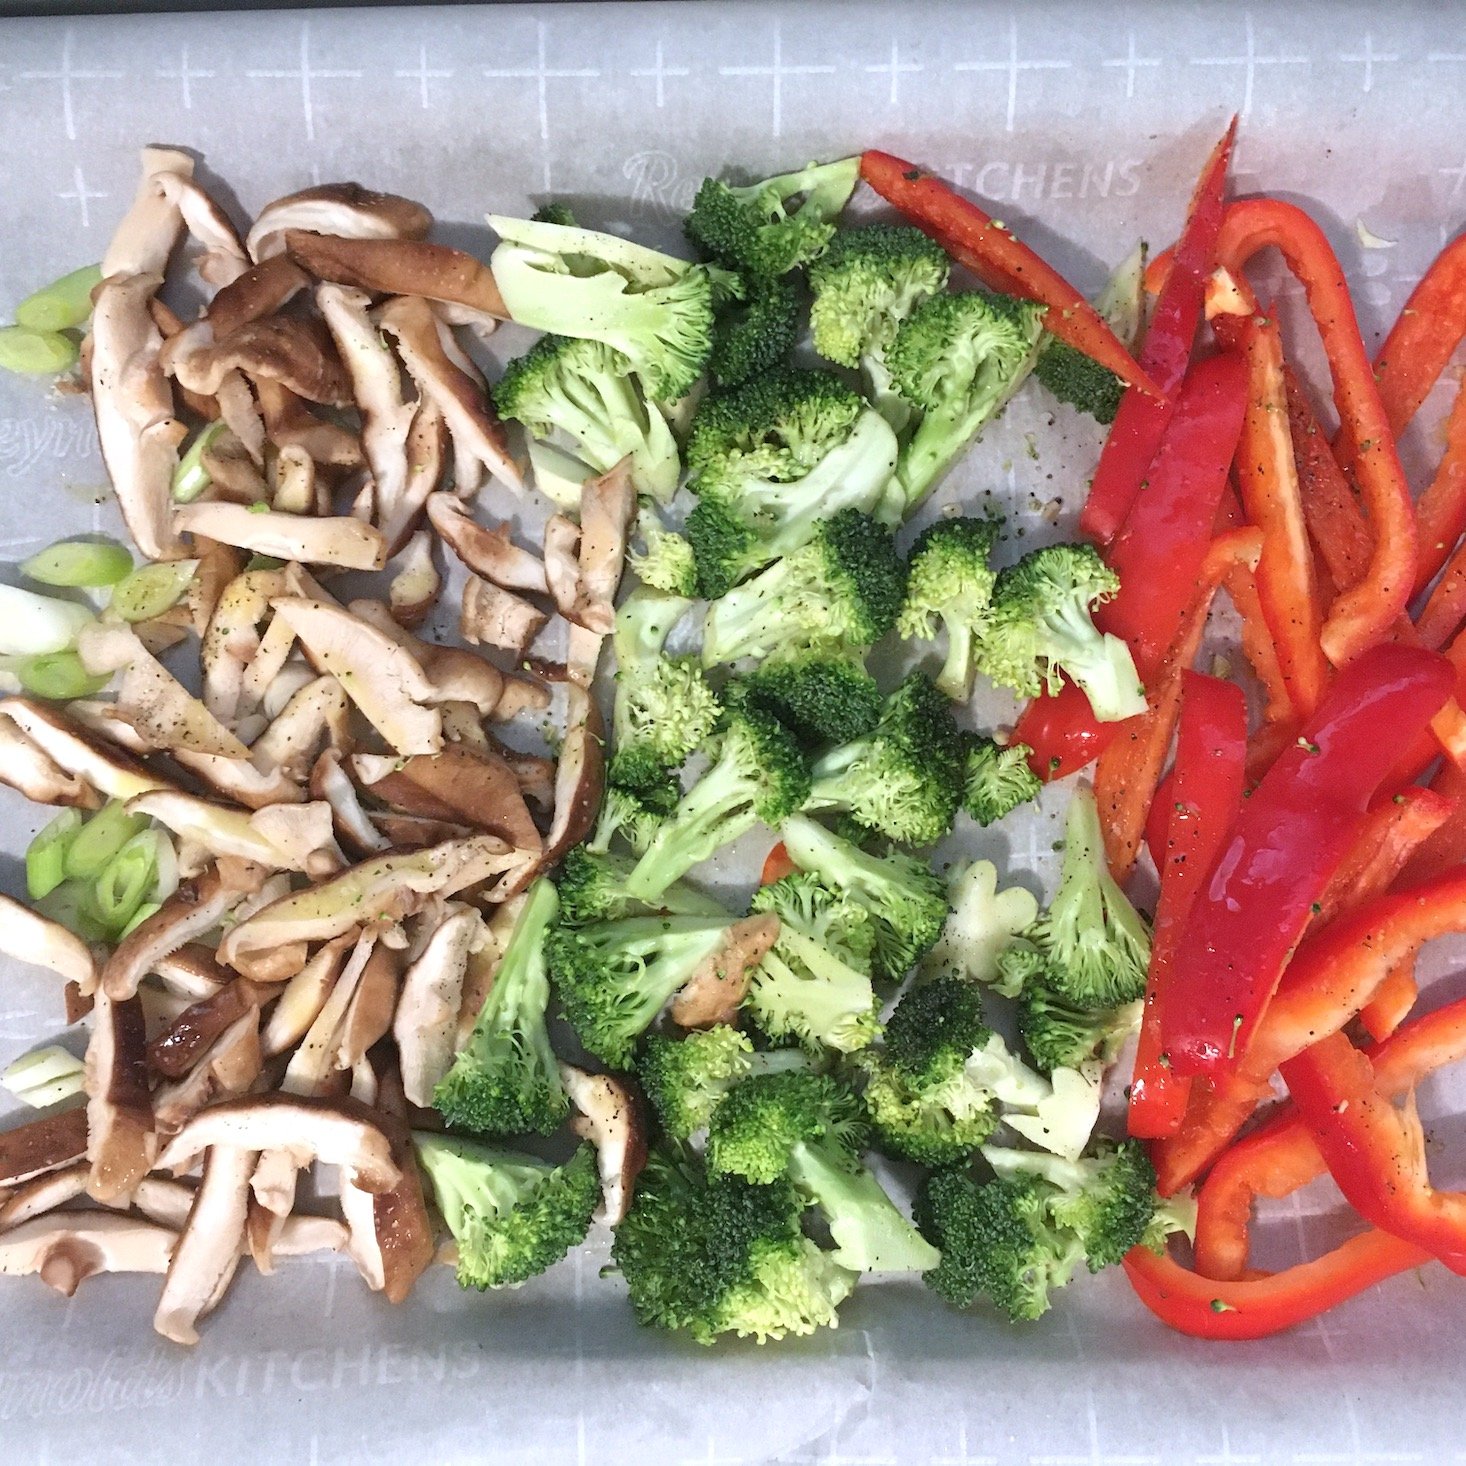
(990, 250)
(1333, 976)
(1129, 770)
(1205, 789)
(1383, 1014)
(1165, 353)
(1374, 1151)
(777, 865)
(1290, 836)
(1446, 848)
(1275, 1160)
(1440, 511)
(1424, 338)
(1360, 616)
(1061, 733)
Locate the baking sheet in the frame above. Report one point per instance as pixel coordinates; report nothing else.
(1085, 125)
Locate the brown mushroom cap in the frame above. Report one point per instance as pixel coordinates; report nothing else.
(579, 775)
(27, 768)
(121, 1136)
(43, 1145)
(179, 1047)
(715, 992)
(491, 616)
(399, 267)
(607, 505)
(259, 291)
(101, 764)
(44, 1194)
(229, 1066)
(344, 209)
(303, 997)
(29, 937)
(609, 1115)
(490, 553)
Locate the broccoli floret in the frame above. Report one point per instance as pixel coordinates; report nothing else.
(759, 773)
(1080, 381)
(754, 335)
(753, 227)
(957, 358)
(997, 1240)
(904, 779)
(981, 927)
(511, 1215)
(773, 459)
(1018, 964)
(665, 560)
(586, 390)
(1041, 628)
(838, 593)
(656, 310)
(716, 1255)
(634, 814)
(904, 896)
(821, 698)
(685, 1078)
(1061, 1035)
(505, 1080)
(1096, 946)
(809, 1128)
(554, 214)
(997, 779)
(592, 887)
(614, 977)
(664, 708)
(949, 581)
(814, 984)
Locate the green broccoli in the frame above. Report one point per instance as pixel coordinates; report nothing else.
(716, 1255)
(511, 1215)
(997, 779)
(1041, 628)
(1080, 381)
(838, 593)
(505, 1080)
(982, 926)
(752, 227)
(656, 310)
(759, 773)
(1096, 946)
(809, 1128)
(592, 887)
(586, 390)
(1017, 964)
(904, 896)
(957, 359)
(949, 581)
(814, 984)
(554, 213)
(754, 335)
(1061, 1035)
(820, 697)
(665, 562)
(615, 977)
(904, 779)
(684, 1078)
(664, 708)
(772, 460)
(634, 814)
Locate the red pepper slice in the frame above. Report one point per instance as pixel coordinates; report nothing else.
(1446, 848)
(990, 250)
(1253, 1308)
(1205, 789)
(777, 865)
(1141, 420)
(1287, 841)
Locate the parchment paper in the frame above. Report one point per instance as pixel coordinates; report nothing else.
(1084, 125)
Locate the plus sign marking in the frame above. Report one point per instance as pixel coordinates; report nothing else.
(307, 75)
(660, 72)
(82, 194)
(896, 68)
(1459, 174)
(542, 74)
(1014, 65)
(66, 74)
(1131, 62)
(1250, 60)
(185, 74)
(778, 71)
(1369, 57)
(422, 74)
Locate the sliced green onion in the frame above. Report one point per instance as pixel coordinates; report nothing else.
(165, 882)
(32, 625)
(191, 478)
(45, 856)
(44, 1077)
(86, 563)
(57, 676)
(557, 475)
(36, 353)
(152, 589)
(147, 909)
(264, 562)
(72, 906)
(63, 304)
(100, 839)
(127, 879)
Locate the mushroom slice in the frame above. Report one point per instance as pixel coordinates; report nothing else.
(293, 481)
(579, 775)
(354, 827)
(240, 782)
(609, 1115)
(483, 966)
(368, 1016)
(297, 351)
(102, 765)
(303, 832)
(457, 675)
(44, 1194)
(191, 972)
(345, 210)
(336, 540)
(150, 228)
(562, 562)
(414, 831)
(490, 553)
(182, 1044)
(232, 639)
(229, 1066)
(314, 1063)
(303, 997)
(607, 504)
(27, 768)
(209, 1247)
(315, 713)
(41, 1146)
(300, 1236)
(464, 723)
(491, 616)
(109, 724)
(384, 681)
(427, 461)
(221, 831)
(261, 290)
(415, 587)
(287, 422)
(441, 371)
(384, 889)
(714, 993)
(223, 259)
(65, 1248)
(582, 654)
(426, 1024)
(218, 565)
(534, 773)
(196, 907)
(400, 267)
(30, 937)
(337, 1132)
(121, 1137)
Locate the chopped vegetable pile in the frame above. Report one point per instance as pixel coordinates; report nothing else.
(333, 888)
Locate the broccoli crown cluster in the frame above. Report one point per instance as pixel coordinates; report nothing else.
(949, 583)
(821, 698)
(1080, 381)
(997, 779)
(754, 334)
